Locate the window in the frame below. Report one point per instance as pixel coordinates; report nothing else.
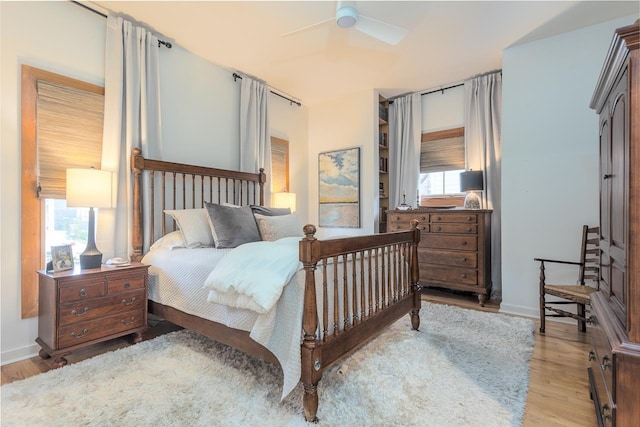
(279, 165)
(441, 162)
(61, 128)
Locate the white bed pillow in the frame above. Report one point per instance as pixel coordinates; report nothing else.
(169, 241)
(194, 226)
(273, 228)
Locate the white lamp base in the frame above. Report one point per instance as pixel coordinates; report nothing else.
(472, 201)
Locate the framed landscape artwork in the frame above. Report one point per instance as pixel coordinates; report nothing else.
(339, 194)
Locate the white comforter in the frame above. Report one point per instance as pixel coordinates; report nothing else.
(252, 276)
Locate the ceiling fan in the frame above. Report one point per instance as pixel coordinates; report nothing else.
(347, 16)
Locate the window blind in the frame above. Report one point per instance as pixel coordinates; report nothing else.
(69, 125)
(440, 155)
(279, 165)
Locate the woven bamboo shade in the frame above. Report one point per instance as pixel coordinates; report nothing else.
(279, 165)
(69, 125)
(442, 155)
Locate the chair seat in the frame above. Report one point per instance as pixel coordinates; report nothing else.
(578, 293)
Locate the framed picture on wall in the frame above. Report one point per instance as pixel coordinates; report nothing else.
(62, 257)
(339, 193)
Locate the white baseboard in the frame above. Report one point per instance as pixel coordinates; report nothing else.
(519, 310)
(19, 354)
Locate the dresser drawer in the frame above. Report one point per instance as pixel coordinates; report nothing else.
(100, 307)
(459, 218)
(403, 226)
(442, 241)
(454, 228)
(457, 259)
(601, 355)
(79, 333)
(81, 291)
(602, 400)
(465, 276)
(122, 284)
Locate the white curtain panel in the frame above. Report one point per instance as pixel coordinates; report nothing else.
(483, 151)
(131, 119)
(405, 115)
(255, 140)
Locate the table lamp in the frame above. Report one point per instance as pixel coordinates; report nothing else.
(284, 200)
(89, 188)
(470, 182)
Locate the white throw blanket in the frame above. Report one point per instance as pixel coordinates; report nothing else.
(253, 275)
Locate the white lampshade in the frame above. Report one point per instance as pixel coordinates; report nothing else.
(89, 188)
(284, 200)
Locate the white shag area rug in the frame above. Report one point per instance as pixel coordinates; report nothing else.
(463, 368)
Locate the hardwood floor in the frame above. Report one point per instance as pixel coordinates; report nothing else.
(558, 386)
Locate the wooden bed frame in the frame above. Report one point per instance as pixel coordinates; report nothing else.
(391, 261)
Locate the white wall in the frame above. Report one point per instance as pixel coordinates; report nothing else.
(549, 156)
(200, 107)
(341, 123)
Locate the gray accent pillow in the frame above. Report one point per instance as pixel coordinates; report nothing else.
(232, 226)
(262, 210)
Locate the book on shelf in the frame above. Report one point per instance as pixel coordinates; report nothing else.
(383, 140)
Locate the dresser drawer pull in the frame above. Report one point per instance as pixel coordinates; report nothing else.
(464, 243)
(464, 276)
(128, 322)
(438, 228)
(592, 356)
(606, 363)
(606, 411)
(591, 320)
(124, 301)
(126, 285)
(468, 229)
(469, 218)
(422, 218)
(422, 227)
(438, 218)
(77, 313)
(76, 336)
(83, 292)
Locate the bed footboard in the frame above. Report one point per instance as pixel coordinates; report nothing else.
(367, 283)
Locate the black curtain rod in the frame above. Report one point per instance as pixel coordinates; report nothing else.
(160, 42)
(442, 89)
(293, 101)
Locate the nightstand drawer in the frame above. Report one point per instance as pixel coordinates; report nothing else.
(123, 284)
(79, 333)
(442, 241)
(100, 307)
(457, 259)
(454, 228)
(81, 292)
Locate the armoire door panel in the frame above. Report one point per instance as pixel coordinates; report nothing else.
(605, 177)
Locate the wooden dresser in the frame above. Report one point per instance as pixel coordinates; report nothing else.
(455, 247)
(614, 323)
(78, 308)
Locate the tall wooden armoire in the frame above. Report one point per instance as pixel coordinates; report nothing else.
(614, 371)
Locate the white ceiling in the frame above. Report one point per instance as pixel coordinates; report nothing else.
(447, 42)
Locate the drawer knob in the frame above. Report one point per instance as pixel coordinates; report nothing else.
(463, 259)
(438, 228)
(80, 313)
(592, 356)
(463, 275)
(126, 285)
(591, 320)
(468, 218)
(422, 218)
(76, 336)
(128, 322)
(83, 292)
(464, 243)
(438, 218)
(606, 363)
(124, 301)
(468, 229)
(606, 411)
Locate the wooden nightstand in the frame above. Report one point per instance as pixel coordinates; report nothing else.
(78, 308)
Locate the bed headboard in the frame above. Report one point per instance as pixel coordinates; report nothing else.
(160, 185)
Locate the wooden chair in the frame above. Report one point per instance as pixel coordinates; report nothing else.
(579, 293)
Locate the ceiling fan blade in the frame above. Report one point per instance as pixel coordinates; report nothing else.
(308, 27)
(388, 33)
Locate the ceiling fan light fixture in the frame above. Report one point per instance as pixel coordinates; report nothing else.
(346, 17)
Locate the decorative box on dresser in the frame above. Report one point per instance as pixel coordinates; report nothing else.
(455, 247)
(78, 308)
(614, 323)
